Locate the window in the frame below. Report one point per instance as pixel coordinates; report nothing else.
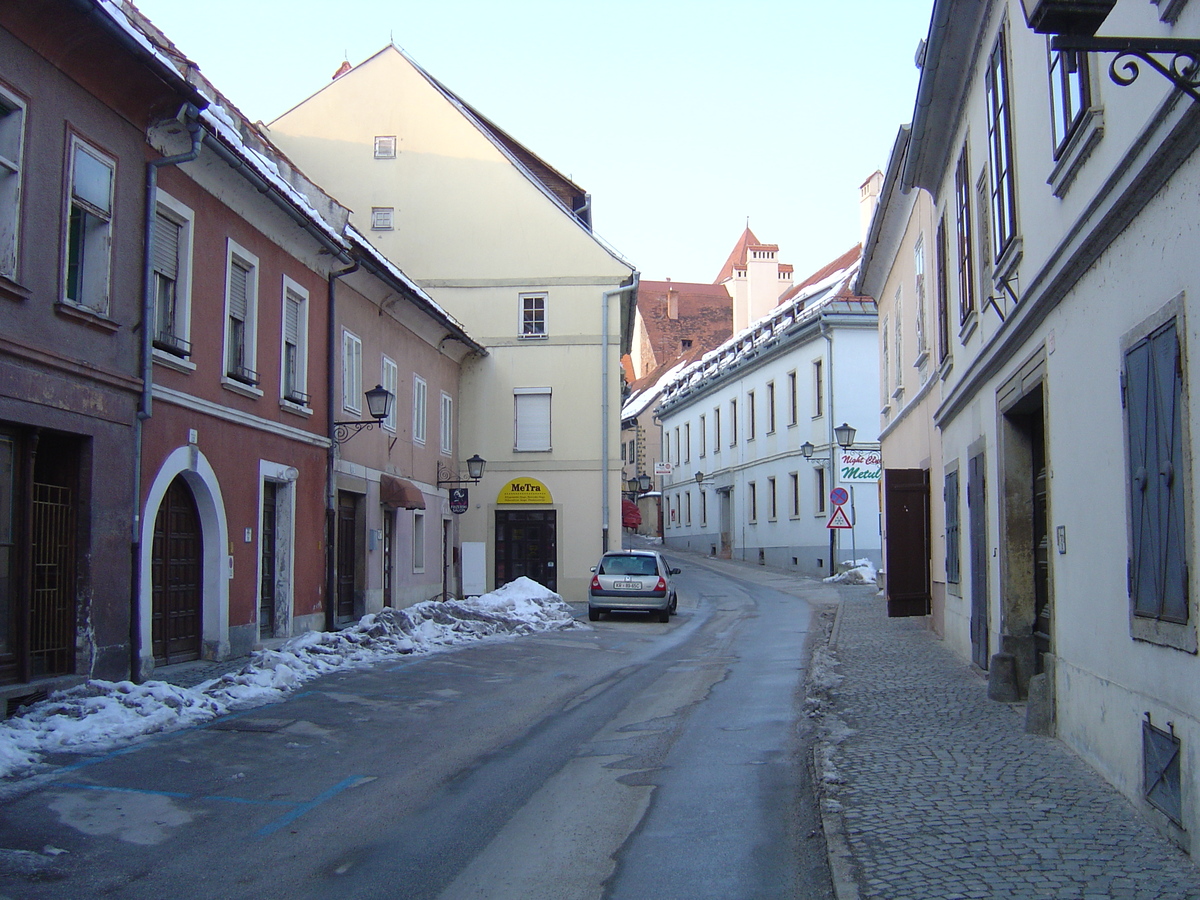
(532, 419)
(717, 430)
(733, 423)
(943, 300)
(385, 146)
(533, 315)
(678, 459)
(295, 343)
(89, 228)
(919, 292)
(1000, 154)
(770, 407)
(352, 392)
(447, 431)
(703, 436)
(383, 218)
(750, 425)
(703, 508)
(963, 221)
(818, 388)
(953, 554)
(1154, 413)
(241, 312)
(793, 399)
(794, 494)
(418, 542)
(390, 381)
(771, 500)
(687, 442)
(171, 263)
(687, 508)
(420, 402)
(885, 357)
(898, 338)
(1069, 95)
(819, 473)
(752, 501)
(12, 143)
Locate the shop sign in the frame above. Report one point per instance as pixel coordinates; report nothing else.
(459, 501)
(860, 465)
(524, 490)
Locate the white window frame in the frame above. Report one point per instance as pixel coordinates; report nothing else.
(183, 216)
(420, 409)
(93, 292)
(418, 544)
(447, 424)
(235, 253)
(389, 375)
(300, 396)
(383, 218)
(13, 114)
(532, 435)
(385, 146)
(527, 328)
(818, 388)
(352, 392)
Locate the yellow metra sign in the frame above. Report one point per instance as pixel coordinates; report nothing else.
(524, 490)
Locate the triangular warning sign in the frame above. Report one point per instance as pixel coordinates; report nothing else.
(839, 519)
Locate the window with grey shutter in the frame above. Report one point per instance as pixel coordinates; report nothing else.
(293, 386)
(1158, 572)
(950, 497)
(532, 413)
(166, 278)
(239, 280)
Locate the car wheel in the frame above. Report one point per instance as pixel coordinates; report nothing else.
(674, 602)
(593, 615)
(665, 615)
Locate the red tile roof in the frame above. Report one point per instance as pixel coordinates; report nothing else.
(704, 316)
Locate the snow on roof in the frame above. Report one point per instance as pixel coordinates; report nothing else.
(814, 300)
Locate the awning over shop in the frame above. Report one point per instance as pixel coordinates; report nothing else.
(400, 494)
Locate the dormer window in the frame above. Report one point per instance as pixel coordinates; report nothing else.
(382, 218)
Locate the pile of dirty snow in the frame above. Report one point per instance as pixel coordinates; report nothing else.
(857, 571)
(99, 715)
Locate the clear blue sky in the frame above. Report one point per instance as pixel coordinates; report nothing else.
(682, 119)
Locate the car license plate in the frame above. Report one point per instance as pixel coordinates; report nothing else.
(627, 585)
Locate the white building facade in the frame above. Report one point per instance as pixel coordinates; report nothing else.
(1067, 238)
(735, 423)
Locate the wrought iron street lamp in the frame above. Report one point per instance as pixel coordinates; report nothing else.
(845, 435)
(1074, 24)
(475, 466)
(379, 405)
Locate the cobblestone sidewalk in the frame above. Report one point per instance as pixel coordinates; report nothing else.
(934, 792)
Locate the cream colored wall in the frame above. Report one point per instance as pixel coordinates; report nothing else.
(476, 233)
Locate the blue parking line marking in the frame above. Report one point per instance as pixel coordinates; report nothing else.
(249, 802)
(300, 810)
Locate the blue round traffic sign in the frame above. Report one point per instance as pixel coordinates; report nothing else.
(839, 496)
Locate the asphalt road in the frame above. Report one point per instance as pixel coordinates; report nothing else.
(631, 759)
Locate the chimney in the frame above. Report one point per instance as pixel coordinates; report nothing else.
(672, 302)
(868, 200)
(342, 70)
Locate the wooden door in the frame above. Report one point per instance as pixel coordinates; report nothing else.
(906, 512)
(177, 575)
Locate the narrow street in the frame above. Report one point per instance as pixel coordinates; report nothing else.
(631, 759)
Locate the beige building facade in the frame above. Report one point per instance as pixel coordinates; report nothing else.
(504, 244)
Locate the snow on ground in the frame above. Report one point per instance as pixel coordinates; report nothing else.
(100, 715)
(854, 571)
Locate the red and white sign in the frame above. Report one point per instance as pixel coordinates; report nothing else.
(663, 468)
(839, 519)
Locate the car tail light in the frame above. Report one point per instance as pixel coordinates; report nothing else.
(596, 583)
(662, 584)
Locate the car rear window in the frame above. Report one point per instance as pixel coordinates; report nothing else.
(628, 565)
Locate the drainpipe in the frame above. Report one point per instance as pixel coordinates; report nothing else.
(331, 453)
(604, 515)
(833, 532)
(145, 406)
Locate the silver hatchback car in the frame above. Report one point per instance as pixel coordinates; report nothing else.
(632, 580)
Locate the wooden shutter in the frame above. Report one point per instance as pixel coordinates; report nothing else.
(1153, 398)
(953, 529)
(291, 319)
(239, 282)
(906, 498)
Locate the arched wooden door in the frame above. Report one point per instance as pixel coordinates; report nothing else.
(177, 577)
